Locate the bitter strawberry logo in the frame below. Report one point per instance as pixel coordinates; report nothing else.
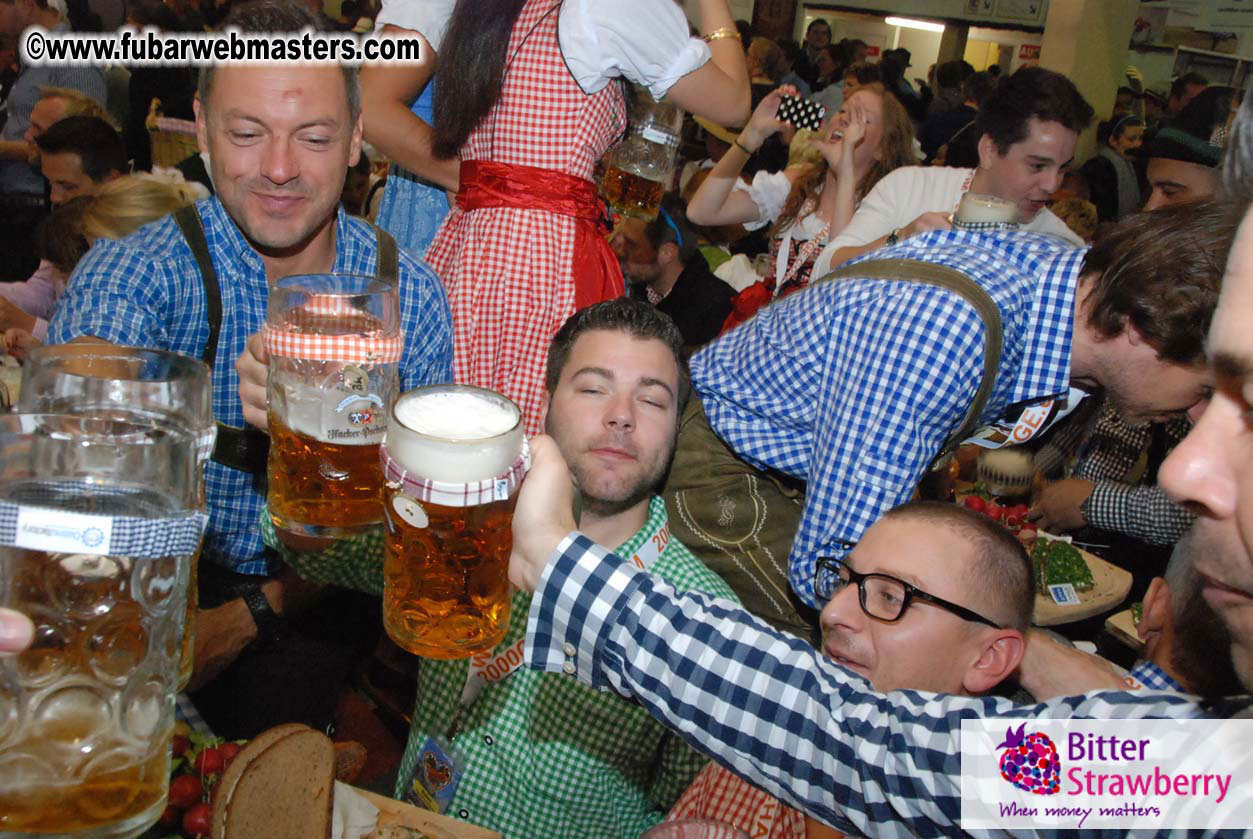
(1030, 762)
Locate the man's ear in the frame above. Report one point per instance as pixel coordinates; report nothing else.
(1001, 653)
(668, 254)
(1156, 613)
(987, 151)
(354, 142)
(202, 130)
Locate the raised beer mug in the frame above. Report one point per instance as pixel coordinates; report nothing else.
(453, 460)
(335, 344)
(95, 541)
(107, 380)
(640, 167)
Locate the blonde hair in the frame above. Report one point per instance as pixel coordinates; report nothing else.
(896, 149)
(123, 205)
(767, 55)
(77, 103)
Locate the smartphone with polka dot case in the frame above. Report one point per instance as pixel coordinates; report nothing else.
(801, 113)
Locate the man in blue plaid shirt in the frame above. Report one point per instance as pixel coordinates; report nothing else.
(826, 409)
(280, 138)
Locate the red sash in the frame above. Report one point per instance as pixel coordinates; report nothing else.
(597, 274)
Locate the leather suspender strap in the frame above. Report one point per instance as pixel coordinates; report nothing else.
(388, 267)
(913, 270)
(245, 449)
(188, 219)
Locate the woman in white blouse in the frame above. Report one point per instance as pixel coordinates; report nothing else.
(806, 203)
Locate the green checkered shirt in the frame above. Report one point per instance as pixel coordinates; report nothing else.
(546, 757)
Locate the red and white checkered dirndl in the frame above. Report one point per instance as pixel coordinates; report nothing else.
(508, 270)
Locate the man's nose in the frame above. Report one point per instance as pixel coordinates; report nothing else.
(843, 609)
(279, 163)
(1198, 472)
(620, 412)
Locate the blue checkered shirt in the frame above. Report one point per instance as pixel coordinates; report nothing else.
(145, 290)
(1147, 674)
(773, 709)
(854, 385)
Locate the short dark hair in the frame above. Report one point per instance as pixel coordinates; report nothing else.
(280, 16)
(978, 87)
(815, 22)
(1031, 92)
(153, 13)
(1161, 272)
(97, 145)
(1001, 570)
(951, 74)
(865, 73)
(636, 318)
(671, 225)
(1180, 86)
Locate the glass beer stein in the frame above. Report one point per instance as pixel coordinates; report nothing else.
(335, 343)
(640, 167)
(95, 542)
(453, 460)
(106, 380)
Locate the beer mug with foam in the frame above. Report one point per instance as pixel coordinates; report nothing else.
(335, 344)
(107, 380)
(453, 460)
(96, 536)
(640, 167)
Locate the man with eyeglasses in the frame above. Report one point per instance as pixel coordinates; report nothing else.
(934, 597)
(809, 730)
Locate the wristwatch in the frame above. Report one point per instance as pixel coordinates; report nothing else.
(270, 626)
(893, 238)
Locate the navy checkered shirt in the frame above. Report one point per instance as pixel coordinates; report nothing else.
(854, 385)
(145, 290)
(773, 709)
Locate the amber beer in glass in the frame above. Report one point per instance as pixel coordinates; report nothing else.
(334, 342)
(642, 164)
(98, 558)
(453, 459)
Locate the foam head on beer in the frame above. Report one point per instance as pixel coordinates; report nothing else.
(455, 433)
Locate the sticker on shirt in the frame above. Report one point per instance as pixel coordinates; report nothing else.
(435, 776)
(1033, 421)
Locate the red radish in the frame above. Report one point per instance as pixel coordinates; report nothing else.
(197, 820)
(209, 761)
(186, 790)
(228, 752)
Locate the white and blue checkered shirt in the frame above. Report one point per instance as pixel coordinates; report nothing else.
(854, 385)
(773, 709)
(145, 290)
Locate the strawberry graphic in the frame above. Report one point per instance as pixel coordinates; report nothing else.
(1030, 762)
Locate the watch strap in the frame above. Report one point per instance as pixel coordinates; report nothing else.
(269, 625)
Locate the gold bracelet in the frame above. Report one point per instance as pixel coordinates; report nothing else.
(744, 148)
(724, 32)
